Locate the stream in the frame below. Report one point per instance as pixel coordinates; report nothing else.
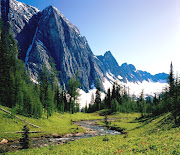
(91, 131)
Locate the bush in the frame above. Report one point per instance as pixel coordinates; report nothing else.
(104, 112)
(4, 148)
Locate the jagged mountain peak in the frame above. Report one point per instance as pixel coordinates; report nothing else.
(108, 57)
(22, 6)
(128, 66)
(108, 53)
(51, 9)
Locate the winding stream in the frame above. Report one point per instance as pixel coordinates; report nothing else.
(91, 131)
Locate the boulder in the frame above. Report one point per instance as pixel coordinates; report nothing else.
(68, 135)
(4, 141)
(55, 135)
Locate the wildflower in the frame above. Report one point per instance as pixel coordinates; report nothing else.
(166, 149)
(130, 150)
(141, 142)
(145, 143)
(116, 152)
(121, 150)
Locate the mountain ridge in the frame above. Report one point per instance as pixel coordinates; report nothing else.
(47, 33)
(127, 72)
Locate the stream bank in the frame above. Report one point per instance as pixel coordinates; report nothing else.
(91, 130)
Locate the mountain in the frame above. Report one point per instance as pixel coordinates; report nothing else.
(126, 72)
(47, 34)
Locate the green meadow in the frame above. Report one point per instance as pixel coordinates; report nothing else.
(58, 123)
(147, 135)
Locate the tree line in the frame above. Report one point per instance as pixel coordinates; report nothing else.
(119, 100)
(30, 99)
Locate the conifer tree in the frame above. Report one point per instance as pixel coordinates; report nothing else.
(108, 99)
(171, 80)
(73, 85)
(25, 138)
(46, 93)
(98, 95)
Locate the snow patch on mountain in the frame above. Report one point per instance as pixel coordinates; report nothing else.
(30, 47)
(120, 77)
(107, 84)
(149, 87)
(110, 76)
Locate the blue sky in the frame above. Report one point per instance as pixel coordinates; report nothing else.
(145, 33)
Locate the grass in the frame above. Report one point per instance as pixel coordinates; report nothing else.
(58, 123)
(151, 135)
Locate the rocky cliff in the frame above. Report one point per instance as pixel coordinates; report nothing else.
(56, 37)
(48, 34)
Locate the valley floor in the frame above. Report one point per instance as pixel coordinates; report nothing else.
(150, 135)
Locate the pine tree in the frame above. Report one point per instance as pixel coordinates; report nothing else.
(114, 105)
(118, 95)
(108, 99)
(73, 85)
(113, 91)
(141, 102)
(46, 93)
(171, 80)
(25, 142)
(98, 95)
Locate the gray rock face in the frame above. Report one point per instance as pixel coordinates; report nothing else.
(56, 37)
(23, 20)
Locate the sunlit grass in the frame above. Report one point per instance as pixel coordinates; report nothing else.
(57, 123)
(154, 136)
